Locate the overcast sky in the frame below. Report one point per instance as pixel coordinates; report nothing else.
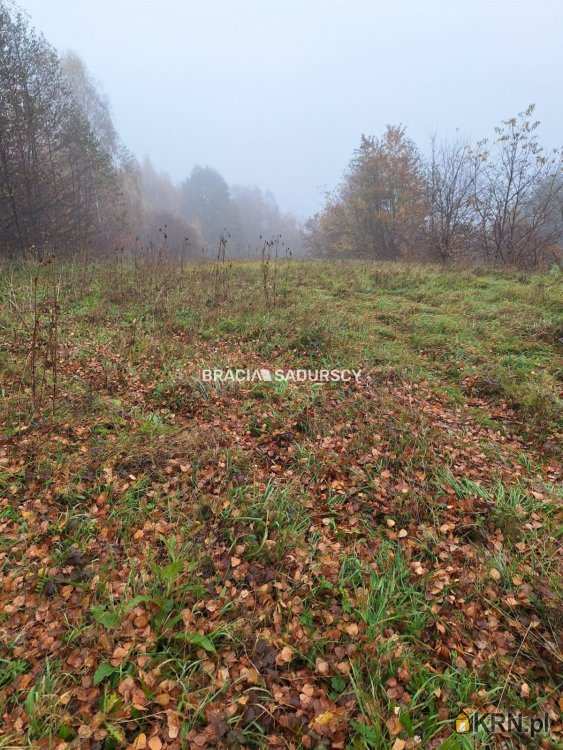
(277, 92)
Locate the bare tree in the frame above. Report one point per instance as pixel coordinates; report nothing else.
(450, 187)
(513, 214)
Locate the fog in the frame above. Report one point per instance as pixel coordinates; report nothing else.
(278, 94)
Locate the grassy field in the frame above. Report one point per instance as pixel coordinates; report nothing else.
(293, 565)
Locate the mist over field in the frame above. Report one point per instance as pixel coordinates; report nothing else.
(277, 94)
(273, 100)
(281, 327)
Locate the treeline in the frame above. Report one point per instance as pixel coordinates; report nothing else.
(68, 184)
(497, 201)
(57, 180)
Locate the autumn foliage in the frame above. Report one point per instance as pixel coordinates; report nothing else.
(196, 565)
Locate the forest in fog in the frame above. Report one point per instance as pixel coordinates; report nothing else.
(69, 184)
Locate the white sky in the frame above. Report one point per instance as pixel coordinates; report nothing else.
(277, 92)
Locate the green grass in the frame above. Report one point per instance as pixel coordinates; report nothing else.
(398, 536)
(495, 334)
